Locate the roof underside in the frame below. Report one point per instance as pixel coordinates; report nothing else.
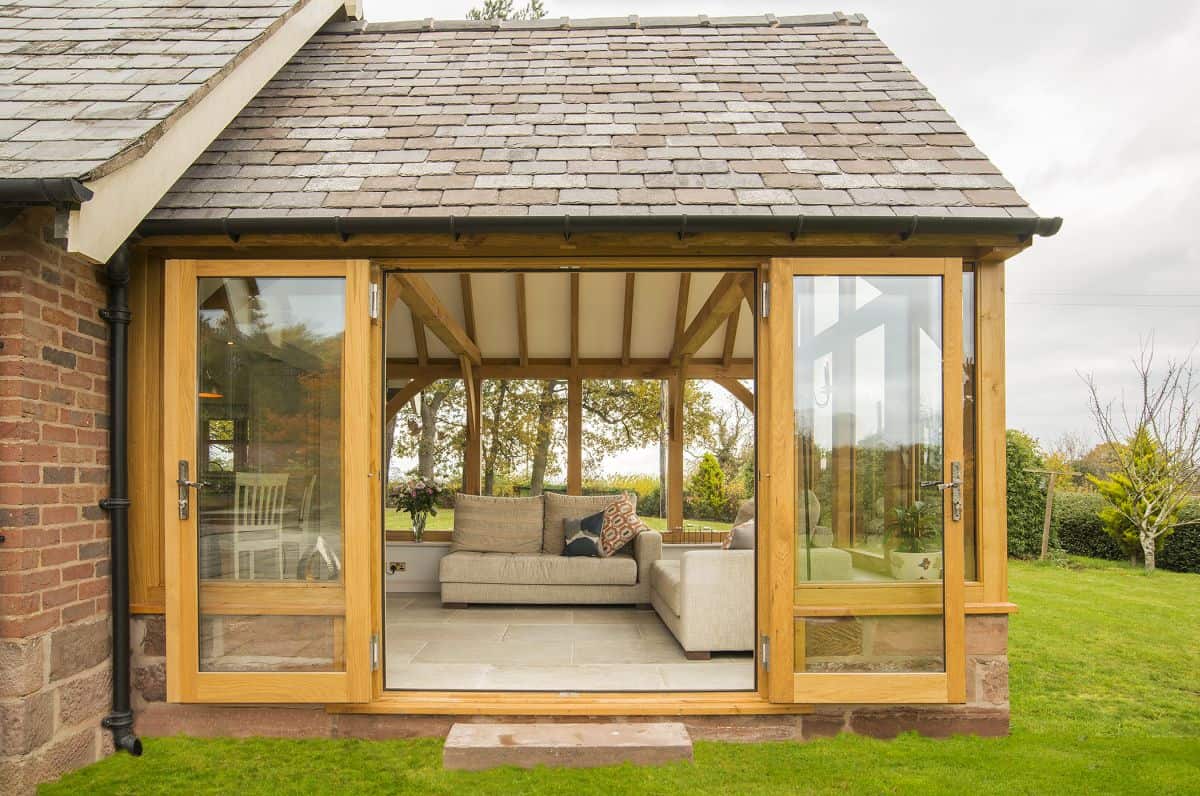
(811, 116)
(85, 83)
(548, 316)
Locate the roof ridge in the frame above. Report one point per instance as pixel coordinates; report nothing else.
(633, 22)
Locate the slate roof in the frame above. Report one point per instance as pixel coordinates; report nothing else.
(758, 115)
(83, 83)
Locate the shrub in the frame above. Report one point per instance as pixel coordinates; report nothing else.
(1076, 528)
(1026, 496)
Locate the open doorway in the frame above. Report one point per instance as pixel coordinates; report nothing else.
(570, 482)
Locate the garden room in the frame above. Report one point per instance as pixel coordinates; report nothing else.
(522, 409)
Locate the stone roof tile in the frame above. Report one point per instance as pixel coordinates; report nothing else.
(84, 82)
(629, 115)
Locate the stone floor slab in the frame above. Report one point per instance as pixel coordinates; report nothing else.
(475, 747)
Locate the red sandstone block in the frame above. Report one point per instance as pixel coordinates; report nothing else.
(474, 747)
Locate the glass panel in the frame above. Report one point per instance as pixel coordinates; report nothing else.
(269, 519)
(869, 433)
(971, 570)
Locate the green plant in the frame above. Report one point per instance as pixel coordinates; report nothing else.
(1026, 495)
(707, 495)
(912, 526)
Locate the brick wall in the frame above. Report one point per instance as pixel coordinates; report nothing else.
(55, 634)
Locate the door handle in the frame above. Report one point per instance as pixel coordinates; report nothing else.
(185, 496)
(955, 486)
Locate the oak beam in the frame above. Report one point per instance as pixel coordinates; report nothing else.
(421, 341)
(473, 458)
(575, 436)
(681, 307)
(731, 328)
(561, 368)
(627, 330)
(522, 321)
(468, 302)
(472, 397)
(737, 390)
(425, 305)
(574, 319)
(675, 388)
(405, 394)
(720, 303)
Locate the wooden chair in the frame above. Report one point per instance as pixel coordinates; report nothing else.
(258, 518)
(303, 535)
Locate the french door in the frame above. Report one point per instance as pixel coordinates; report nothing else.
(267, 452)
(863, 464)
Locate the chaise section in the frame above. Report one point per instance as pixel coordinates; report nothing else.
(707, 600)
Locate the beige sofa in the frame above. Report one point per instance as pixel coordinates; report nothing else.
(706, 598)
(509, 550)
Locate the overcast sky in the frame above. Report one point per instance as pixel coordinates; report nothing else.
(1092, 110)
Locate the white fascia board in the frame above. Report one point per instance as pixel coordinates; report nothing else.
(124, 197)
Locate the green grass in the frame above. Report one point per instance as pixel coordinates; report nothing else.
(1105, 699)
(394, 520)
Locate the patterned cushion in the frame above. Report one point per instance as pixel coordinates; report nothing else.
(582, 535)
(621, 525)
(497, 525)
(561, 507)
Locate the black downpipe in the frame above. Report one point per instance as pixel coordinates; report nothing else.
(120, 720)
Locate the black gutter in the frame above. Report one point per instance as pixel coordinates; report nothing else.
(57, 191)
(904, 227)
(120, 720)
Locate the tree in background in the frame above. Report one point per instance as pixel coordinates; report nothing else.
(1155, 443)
(1124, 500)
(503, 9)
(1026, 495)
(706, 490)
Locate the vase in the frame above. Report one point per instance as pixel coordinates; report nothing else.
(418, 521)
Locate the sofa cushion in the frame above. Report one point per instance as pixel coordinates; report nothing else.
(741, 537)
(621, 525)
(582, 536)
(497, 525)
(566, 507)
(538, 569)
(664, 580)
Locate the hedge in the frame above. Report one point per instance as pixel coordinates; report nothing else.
(1076, 528)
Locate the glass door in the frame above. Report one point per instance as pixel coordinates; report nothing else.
(267, 461)
(865, 521)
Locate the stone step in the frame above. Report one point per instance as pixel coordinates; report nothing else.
(473, 747)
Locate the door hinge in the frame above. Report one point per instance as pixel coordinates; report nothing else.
(766, 299)
(766, 653)
(373, 301)
(375, 652)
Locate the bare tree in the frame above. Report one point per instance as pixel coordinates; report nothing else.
(1162, 473)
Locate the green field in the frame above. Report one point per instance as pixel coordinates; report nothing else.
(394, 520)
(1105, 699)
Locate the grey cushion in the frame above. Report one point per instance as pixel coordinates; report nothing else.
(566, 507)
(497, 525)
(539, 569)
(742, 536)
(664, 580)
(745, 512)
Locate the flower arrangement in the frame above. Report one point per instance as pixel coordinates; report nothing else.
(419, 498)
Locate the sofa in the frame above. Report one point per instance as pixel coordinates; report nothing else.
(706, 599)
(509, 551)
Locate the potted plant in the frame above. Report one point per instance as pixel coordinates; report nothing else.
(913, 532)
(419, 498)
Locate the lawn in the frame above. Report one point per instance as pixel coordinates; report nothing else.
(394, 520)
(1105, 699)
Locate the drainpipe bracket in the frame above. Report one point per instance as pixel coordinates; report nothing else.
(116, 316)
(115, 504)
